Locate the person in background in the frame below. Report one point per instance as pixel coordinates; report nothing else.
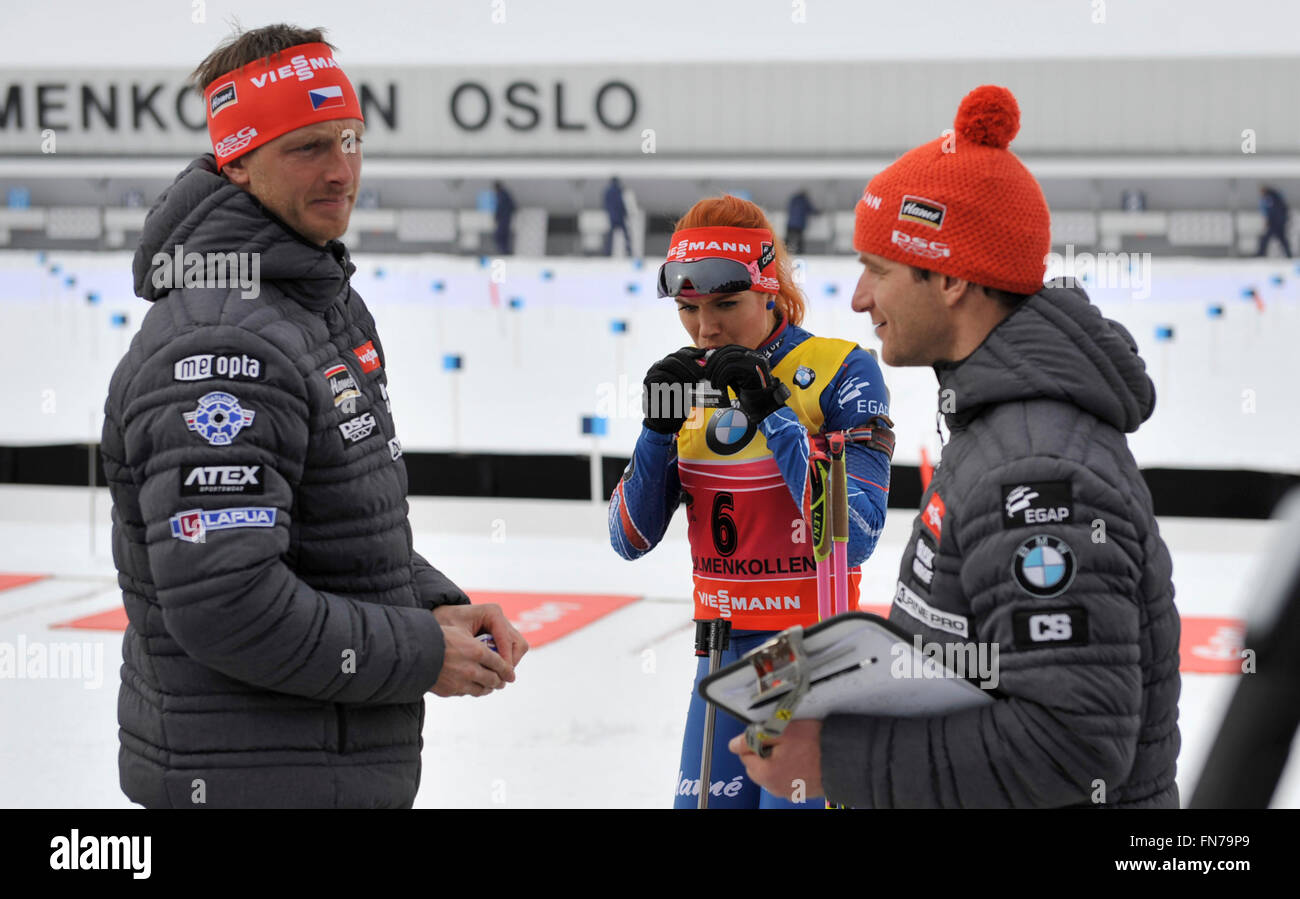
(503, 214)
(799, 210)
(1272, 205)
(617, 211)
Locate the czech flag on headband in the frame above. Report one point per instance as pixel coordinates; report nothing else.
(330, 97)
(272, 96)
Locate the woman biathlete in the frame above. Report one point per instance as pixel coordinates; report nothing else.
(738, 455)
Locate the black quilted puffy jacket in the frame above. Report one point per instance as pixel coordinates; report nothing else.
(281, 638)
(1036, 536)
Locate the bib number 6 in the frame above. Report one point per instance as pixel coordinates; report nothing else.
(725, 536)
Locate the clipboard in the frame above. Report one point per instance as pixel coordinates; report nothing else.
(854, 663)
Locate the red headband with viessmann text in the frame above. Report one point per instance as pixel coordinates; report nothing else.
(752, 247)
(269, 97)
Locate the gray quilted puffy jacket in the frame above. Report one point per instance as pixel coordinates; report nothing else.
(281, 638)
(1036, 536)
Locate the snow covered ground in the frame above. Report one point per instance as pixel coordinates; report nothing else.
(595, 718)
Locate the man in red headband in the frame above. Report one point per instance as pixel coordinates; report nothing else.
(283, 630)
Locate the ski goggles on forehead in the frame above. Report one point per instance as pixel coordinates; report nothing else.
(702, 277)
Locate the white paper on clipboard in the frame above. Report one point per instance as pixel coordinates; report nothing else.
(855, 659)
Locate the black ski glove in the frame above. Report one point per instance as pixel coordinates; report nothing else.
(747, 373)
(669, 388)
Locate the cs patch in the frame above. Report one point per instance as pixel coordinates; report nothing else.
(1044, 565)
(1050, 627)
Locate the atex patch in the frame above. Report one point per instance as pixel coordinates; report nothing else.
(1044, 565)
(202, 480)
(1037, 502)
(219, 418)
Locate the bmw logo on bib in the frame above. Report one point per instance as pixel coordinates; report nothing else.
(729, 431)
(804, 376)
(219, 418)
(1044, 566)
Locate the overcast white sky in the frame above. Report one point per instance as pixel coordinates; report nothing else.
(61, 33)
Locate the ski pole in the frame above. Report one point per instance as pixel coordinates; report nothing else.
(839, 520)
(821, 511)
(718, 637)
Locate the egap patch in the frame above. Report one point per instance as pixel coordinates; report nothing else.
(1037, 503)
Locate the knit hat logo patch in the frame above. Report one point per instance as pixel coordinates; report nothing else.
(922, 211)
(926, 249)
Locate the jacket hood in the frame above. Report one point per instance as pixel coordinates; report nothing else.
(202, 212)
(1057, 346)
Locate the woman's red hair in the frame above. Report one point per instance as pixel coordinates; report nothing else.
(728, 211)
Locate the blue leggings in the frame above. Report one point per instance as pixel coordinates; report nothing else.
(730, 786)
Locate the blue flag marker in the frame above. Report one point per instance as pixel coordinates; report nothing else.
(118, 319)
(70, 281)
(1277, 280)
(452, 362)
(516, 303)
(595, 425)
(92, 298)
(438, 286)
(1215, 311)
(1165, 332)
(832, 289)
(548, 274)
(379, 273)
(633, 287)
(618, 326)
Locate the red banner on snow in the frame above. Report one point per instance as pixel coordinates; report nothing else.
(540, 617)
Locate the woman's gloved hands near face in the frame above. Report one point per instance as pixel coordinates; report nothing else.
(669, 389)
(747, 373)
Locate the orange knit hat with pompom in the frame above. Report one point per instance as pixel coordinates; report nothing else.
(963, 204)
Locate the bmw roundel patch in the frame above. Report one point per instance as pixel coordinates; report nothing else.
(728, 431)
(1044, 565)
(219, 418)
(804, 376)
